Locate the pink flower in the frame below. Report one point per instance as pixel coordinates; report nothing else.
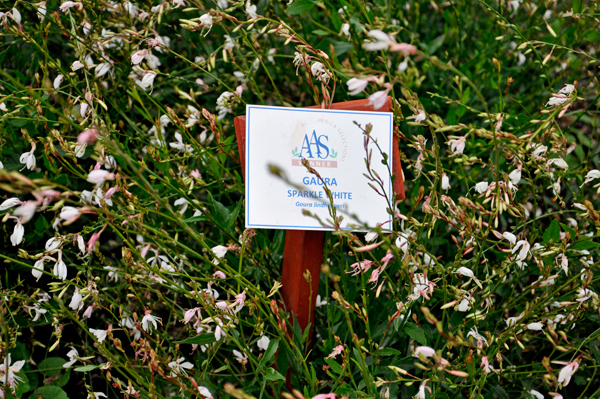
(325, 396)
(219, 274)
(87, 136)
(457, 144)
(425, 350)
(92, 241)
(138, 56)
(404, 47)
(189, 314)
(99, 176)
(378, 99)
(485, 364)
(336, 351)
(68, 4)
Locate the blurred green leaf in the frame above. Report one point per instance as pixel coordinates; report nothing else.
(300, 7)
(552, 232)
(415, 333)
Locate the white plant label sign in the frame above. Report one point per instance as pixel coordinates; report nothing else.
(334, 146)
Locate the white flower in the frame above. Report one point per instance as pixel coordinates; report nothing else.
(57, 81)
(535, 326)
(9, 203)
(370, 236)
(346, 30)
(203, 390)
(102, 69)
(99, 176)
(149, 318)
(251, 10)
(567, 90)
(420, 117)
(403, 66)
(378, 99)
(481, 187)
(100, 334)
(219, 251)
(179, 366)
(147, 81)
(83, 108)
(464, 305)
(229, 43)
(320, 302)
(402, 242)
(539, 150)
(17, 236)
(96, 395)
(183, 203)
(178, 145)
(382, 41)
(357, 86)
(556, 100)
(68, 213)
(319, 71)
(7, 371)
(558, 162)
(510, 237)
(524, 246)
(38, 312)
(131, 8)
(41, 11)
(28, 159)
(515, 176)
(263, 343)
(475, 334)
(76, 66)
(465, 271)
(240, 357)
(591, 175)
(38, 268)
(421, 394)
(536, 394)
(72, 355)
(76, 301)
(445, 182)
(206, 20)
(60, 270)
(26, 211)
(53, 243)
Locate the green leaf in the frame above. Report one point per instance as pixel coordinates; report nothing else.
(89, 367)
(552, 232)
(273, 375)
(51, 366)
(388, 352)
(583, 245)
(320, 32)
(300, 7)
(202, 339)
(415, 333)
(270, 352)
(49, 392)
(195, 219)
(335, 366)
(63, 380)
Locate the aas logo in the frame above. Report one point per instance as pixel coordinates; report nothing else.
(315, 147)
